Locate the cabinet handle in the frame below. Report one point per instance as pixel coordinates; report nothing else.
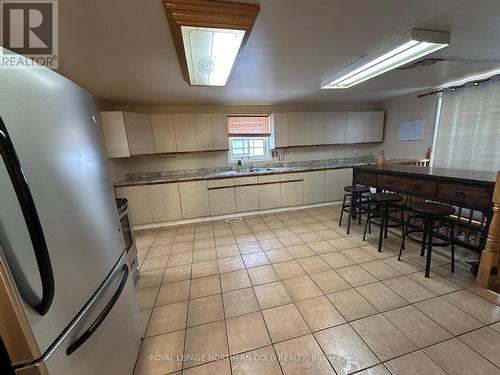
(417, 187)
(460, 195)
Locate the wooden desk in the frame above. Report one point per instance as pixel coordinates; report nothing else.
(471, 192)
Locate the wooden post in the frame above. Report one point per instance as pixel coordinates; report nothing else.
(490, 255)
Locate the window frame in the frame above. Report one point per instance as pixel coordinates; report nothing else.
(233, 158)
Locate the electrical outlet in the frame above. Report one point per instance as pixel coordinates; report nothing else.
(281, 157)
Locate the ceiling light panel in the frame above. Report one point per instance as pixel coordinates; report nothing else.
(210, 54)
(408, 47)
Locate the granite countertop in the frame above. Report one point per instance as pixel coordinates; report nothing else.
(244, 171)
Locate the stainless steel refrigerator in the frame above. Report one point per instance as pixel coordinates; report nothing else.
(67, 302)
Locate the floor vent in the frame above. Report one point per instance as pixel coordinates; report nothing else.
(233, 220)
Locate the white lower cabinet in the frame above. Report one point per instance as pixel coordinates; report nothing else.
(292, 189)
(247, 194)
(221, 196)
(314, 187)
(194, 199)
(335, 181)
(269, 191)
(139, 203)
(165, 202)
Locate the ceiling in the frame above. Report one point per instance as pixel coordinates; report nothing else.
(122, 50)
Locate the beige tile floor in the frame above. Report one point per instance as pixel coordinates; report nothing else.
(292, 293)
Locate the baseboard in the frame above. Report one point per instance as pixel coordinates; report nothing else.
(233, 216)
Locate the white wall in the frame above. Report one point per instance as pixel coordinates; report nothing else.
(407, 107)
(155, 163)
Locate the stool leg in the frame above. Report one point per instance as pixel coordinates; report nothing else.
(358, 205)
(381, 233)
(367, 222)
(342, 211)
(402, 223)
(424, 239)
(351, 209)
(452, 248)
(386, 215)
(405, 232)
(430, 226)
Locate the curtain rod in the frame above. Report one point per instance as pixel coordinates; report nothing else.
(472, 83)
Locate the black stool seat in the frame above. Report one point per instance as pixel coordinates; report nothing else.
(431, 214)
(386, 198)
(356, 189)
(434, 209)
(357, 205)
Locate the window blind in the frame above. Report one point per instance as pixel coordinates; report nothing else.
(468, 135)
(248, 126)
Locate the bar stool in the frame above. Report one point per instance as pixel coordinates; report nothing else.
(434, 217)
(384, 203)
(355, 206)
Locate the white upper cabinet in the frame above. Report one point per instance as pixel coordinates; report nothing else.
(204, 133)
(219, 129)
(374, 127)
(296, 133)
(335, 127)
(355, 127)
(315, 128)
(279, 123)
(185, 132)
(115, 135)
(163, 133)
(139, 133)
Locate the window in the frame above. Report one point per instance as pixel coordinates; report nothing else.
(468, 129)
(249, 138)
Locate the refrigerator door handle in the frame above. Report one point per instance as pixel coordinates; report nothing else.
(31, 218)
(102, 316)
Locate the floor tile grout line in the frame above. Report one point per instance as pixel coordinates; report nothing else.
(308, 274)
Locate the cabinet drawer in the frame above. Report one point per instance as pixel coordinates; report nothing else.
(366, 178)
(464, 195)
(420, 187)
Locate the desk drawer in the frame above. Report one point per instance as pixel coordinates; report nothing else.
(407, 185)
(464, 195)
(369, 179)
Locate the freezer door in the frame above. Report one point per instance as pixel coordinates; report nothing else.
(54, 132)
(104, 339)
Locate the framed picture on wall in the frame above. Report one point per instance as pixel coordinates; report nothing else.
(411, 130)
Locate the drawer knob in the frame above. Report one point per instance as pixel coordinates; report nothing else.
(417, 187)
(460, 195)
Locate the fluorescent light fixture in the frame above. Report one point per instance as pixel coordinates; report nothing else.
(470, 78)
(210, 53)
(407, 47)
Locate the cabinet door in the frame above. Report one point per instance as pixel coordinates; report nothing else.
(292, 191)
(296, 135)
(270, 192)
(139, 203)
(315, 126)
(185, 132)
(219, 128)
(355, 127)
(279, 121)
(163, 132)
(374, 128)
(115, 135)
(335, 181)
(314, 187)
(335, 128)
(165, 202)
(139, 133)
(247, 197)
(221, 196)
(204, 134)
(194, 199)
